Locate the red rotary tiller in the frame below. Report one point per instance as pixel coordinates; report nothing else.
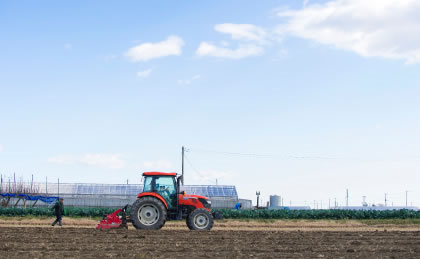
(113, 220)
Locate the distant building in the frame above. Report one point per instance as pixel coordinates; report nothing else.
(245, 204)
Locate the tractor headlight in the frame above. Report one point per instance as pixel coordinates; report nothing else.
(209, 204)
(206, 203)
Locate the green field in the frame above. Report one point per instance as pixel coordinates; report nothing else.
(320, 214)
(235, 214)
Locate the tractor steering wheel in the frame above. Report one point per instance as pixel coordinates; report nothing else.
(165, 192)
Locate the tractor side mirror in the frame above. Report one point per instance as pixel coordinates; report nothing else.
(179, 179)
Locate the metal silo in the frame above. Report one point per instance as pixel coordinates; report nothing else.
(275, 201)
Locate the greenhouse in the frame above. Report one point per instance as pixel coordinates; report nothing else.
(105, 195)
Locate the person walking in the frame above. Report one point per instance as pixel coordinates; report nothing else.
(59, 210)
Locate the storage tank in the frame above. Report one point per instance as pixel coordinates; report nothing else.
(275, 201)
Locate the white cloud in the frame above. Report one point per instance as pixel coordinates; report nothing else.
(147, 51)
(61, 159)
(188, 81)
(144, 73)
(113, 161)
(375, 28)
(251, 38)
(209, 176)
(224, 43)
(246, 32)
(208, 49)
(110, 57)
(159, 165)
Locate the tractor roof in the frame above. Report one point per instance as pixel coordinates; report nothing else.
(158, 173)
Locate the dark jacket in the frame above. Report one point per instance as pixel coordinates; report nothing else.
(59, 209)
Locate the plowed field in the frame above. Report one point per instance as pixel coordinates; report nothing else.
(24, 241)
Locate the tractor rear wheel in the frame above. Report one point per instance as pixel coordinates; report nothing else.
(148, 213)
(200, 219)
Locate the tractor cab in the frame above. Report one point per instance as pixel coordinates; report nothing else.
(163, 184)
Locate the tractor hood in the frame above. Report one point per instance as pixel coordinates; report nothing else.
(194, 196)
(197, 201)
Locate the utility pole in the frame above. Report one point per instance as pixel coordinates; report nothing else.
(335, 202)
(46, 191)
(329, 203)
(182, 165)
(347, 198)
(58, 187)
(385, 199)
(406, 199)
(258, 195)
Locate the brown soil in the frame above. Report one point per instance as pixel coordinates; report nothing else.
(227, 240)
(234, 225)
(37, 242)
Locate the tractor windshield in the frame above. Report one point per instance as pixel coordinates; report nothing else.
(165, 183)
(164, 186)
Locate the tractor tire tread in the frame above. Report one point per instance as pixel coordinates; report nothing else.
(134, 210)
(191, 216)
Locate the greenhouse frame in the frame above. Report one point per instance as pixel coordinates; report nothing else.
(108, 195)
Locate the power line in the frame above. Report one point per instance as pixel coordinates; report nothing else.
(229, 153)
(194, 169)
(259, 155)
(191, 165)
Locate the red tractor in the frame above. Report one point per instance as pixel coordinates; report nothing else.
(162, 200)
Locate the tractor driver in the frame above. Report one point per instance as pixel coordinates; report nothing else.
(161, 185)
(164, 187)
(154, 186)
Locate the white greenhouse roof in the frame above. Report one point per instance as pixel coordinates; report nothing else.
(131, 189)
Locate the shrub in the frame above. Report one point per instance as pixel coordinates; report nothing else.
(319, 214)
(233, 214)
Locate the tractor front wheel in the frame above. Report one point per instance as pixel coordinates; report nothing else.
(200, 219)
(148, 213)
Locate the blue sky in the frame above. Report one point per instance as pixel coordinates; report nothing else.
(326, 93)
